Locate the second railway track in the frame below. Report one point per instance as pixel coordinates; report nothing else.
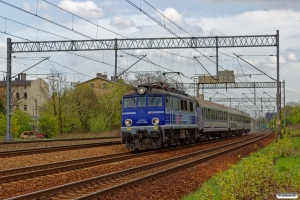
(52, 149)
(102, 185)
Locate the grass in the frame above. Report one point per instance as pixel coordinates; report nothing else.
(285, 175)
(291, 164)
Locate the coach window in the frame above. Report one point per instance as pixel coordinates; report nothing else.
(154, 101)
(185, 105)
(208, 114)
(191, 106)
(129, 102)
(142, 102)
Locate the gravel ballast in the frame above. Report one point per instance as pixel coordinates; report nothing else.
(37, 144)
(192, 178)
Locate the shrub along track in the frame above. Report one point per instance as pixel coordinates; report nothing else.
(115, 181)
(52, 149)
(57, 167)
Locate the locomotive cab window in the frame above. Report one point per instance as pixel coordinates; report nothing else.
(129, 102)
(142, 102)
(175, 104)
(154, 101)
(168, 103)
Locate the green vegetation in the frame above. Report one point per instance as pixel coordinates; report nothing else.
(260, 176)
(292, 117)
(76, 109)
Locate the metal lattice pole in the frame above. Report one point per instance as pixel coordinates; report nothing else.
(284, 105)
(8, 135)
(278, 102)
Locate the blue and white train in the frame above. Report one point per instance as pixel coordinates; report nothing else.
(155, 116)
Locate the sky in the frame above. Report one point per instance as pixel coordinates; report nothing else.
(54, 20)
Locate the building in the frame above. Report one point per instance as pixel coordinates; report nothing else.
(27, 95)
(100, 83)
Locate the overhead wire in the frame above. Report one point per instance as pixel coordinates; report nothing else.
(104, 27)
(163, 25)
(62, 26)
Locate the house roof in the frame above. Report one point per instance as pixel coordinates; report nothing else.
(16, 83)
(107, 80)
(104, 79)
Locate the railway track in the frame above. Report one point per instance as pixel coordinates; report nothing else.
(52, 149)
(52, 168)
(56, 140)
(100, 186)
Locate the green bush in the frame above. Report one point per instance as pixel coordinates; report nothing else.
(2, 124)
(249, 180)
(21, 121)
(282, 148)
(48, 124)
(257, 176)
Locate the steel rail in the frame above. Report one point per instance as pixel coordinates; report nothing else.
(52, 168)
(100, 180)
(52, 149)
(56, 140)
(170, 170)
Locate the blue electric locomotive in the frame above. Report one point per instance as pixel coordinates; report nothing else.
(155, 116)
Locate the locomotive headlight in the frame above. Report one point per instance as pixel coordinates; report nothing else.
(128, 122)
(141, 90)
(155, 121)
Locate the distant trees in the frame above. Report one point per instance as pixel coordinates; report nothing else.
(292, 111)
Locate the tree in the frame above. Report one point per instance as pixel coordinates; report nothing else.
(107, 112)
(84, 99)
(296, 115)
(48, 124)
(2, 124)
(21, 121)
(59, 101)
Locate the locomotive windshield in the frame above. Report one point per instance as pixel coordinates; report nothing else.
(154, 101)
(129, 102)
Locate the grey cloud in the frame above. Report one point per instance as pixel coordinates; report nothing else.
(122, 23)
(216, 32)
(266, 4)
